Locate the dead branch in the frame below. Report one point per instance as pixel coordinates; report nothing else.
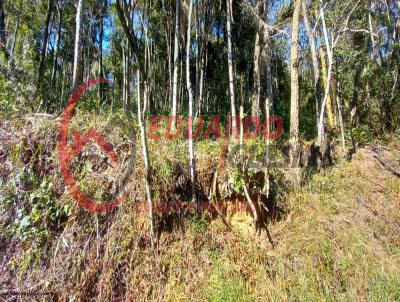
(390, 165)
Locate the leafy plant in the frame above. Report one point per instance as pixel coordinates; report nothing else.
(38, 213)
(238, 182)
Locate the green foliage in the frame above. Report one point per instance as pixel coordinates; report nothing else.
(358, 135)
(37, 214)
(199, 224)
(238, 182)
(227, 289)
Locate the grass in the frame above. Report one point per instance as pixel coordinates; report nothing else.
(340, 243)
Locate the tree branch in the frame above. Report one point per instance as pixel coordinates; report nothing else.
(130, 34)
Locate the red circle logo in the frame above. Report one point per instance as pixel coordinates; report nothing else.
(66, 154)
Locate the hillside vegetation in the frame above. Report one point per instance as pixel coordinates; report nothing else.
(336, 237)
(199, 150)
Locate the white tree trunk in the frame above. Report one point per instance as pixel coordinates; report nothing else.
(123, 76)
(230, 67)
(201, 86)
(329, 79)
(314, 56)
(145, 153)
(190, 93)
(176, 63)
(269, 100)
(77, 48)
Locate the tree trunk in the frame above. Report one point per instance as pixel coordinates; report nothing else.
(390, 118)
(54, 71)
(203, 64)
(269, 100)
(3, 32)
(294, 88)
(145, 153)
(256, 94)
(148, 66)
(49, 33)
(230, 67)
(113, 93)
(16, 31)
(341, 124)
(356, 91)
(63, 83)
(327, 98)
(43, 51)
(168, 39)
(201, 85)
(314, 56)
(327, 80)
(255, 99)
(126, 78)
(77, 48)
(244, 172)
(192, 160)
(376, 53)
(15, 37)
(197, 56)
(101, 37)
(123, 77)
(141, 81)
(176, 63)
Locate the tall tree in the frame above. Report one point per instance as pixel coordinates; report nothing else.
(103, 5)
(269, 97)
(176, 64)
(192, 161)
(330, 45)
(126, 83)
(45, 41)
(230, 68)
(77, 47)
(142, 79)
(255, 108)
(14, 41)
(294, 88)
(328, 81)
(314, 57)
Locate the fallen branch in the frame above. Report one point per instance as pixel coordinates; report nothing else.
(390, 165)
(252, 206)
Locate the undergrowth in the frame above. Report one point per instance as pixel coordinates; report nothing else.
(338, 240)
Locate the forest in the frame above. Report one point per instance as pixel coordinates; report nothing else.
(200, 150)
